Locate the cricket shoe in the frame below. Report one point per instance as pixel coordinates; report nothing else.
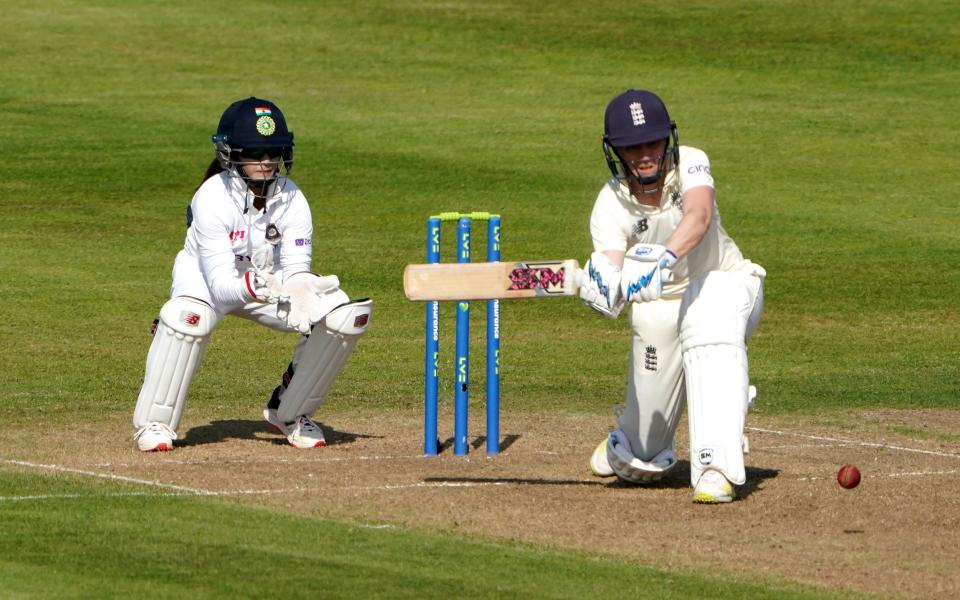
(155, 437)
(599, 464)
(301, 433)
(713, 488)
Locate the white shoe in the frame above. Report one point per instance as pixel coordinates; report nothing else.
(155, 437)
(599, 464)
(301, 433)
(713, 488)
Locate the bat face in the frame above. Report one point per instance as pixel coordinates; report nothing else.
(490, 280)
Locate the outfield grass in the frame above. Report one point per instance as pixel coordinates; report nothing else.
(86, 540)
(830, 126)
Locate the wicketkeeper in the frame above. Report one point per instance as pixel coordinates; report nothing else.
(247, 253)
(693, 301)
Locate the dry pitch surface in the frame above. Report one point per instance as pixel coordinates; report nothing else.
(895, 535)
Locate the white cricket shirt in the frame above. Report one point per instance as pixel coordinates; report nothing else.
(227, 230)
(618, 222)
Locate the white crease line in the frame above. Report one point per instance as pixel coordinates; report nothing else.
(803, 446)
(905, 474)
(184, 494)
(270, 461)
(61, 469)
(78, 496)
(199, 492)
(915, 473)
(855, 442)
(187, 491)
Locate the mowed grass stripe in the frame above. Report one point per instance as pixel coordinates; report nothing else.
(92, 541)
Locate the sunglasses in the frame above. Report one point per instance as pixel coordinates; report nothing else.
(259, 153)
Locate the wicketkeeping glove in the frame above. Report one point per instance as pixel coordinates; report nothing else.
(646, 267)
(304, 307)
(599, 283)
(262, 259)
(264, 287)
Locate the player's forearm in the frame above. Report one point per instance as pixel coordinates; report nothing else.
(697, 215)
(225, 285)
(231, 290)
(615, 256)
(299, 264)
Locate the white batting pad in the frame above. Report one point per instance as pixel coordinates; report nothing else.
(322, 357)
(716, 380)
(719, 312)
(174, 357)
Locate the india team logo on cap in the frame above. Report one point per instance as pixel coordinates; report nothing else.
(636, 113)
(265, 123)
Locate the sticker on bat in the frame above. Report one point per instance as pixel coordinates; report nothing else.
(538, 276)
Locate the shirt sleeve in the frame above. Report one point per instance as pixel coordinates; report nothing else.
(296, 247)
(694, 168)
(215, 252)
(606, 220)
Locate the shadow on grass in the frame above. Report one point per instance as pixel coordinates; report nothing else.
(679, 478)
(477, 443)
(511, 480)
(218, 431)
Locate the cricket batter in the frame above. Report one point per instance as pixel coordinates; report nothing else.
(247, 253)
(693, 301)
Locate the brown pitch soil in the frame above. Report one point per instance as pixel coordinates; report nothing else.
(896, 535)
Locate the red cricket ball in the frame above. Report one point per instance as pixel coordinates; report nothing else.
(848, 476)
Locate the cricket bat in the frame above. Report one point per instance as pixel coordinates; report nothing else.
(491, 280)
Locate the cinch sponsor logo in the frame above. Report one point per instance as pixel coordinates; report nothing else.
(699, 169)
(302, 242)
(236, 236)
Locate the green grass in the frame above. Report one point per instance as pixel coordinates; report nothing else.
(831, 127)
(77, 540)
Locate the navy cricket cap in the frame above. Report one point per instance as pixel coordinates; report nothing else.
(253, 123)
(636, 117)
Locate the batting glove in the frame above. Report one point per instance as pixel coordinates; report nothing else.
(646, 267)
(599, 283)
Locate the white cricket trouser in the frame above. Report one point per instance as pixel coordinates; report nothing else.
(716, 314)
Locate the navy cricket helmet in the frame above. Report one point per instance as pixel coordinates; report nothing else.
(638, 117)
(252, 123)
